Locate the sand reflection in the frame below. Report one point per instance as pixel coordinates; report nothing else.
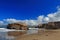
(16, 33)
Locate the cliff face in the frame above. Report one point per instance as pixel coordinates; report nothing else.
(17, 26)
(50, 25)
(40, 26)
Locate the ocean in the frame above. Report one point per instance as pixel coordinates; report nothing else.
(9, 34)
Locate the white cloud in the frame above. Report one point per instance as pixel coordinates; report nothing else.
(11, 20)
(54, 16)
(32, 22)
(46, 19)
(40, 19)
(1, 22)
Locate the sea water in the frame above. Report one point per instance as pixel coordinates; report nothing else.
(7, 34)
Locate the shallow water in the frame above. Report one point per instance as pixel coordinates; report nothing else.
(6, 34)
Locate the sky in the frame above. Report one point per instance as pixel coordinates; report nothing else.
(32, 12)
(26, 9)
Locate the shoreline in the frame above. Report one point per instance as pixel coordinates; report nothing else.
(42, 35)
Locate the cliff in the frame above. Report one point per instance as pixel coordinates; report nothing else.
(17, 26)
(50, 25)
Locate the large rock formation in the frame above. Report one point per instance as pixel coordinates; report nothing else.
(17, 26)
(53, 25)
(40, 26)
(50, 25)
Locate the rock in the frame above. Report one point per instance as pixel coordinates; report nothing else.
(53, 25)
(35, 39)
(50, 25)
(46, 35)
(41, 26)
(17, 26)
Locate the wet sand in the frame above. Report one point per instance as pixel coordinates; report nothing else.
(42, 35)
(32, 34)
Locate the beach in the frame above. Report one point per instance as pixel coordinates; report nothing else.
(32, 34)
(42, 35)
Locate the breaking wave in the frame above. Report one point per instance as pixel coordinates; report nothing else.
(6, 30)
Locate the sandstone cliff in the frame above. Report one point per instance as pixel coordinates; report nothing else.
(50, 25)
(17, 26)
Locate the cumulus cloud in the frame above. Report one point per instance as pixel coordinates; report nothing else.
(54, 16)
(40, 19)
(51, 17)
(1, 22)
(11, 20)
(31, 22)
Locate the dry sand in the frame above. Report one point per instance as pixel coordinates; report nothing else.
(42, 35)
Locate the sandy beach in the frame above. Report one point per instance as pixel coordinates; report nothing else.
(42, 35)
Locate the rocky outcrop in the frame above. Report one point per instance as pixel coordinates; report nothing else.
(40, 26)
(53, 25)
(50, 25)
(17, 26)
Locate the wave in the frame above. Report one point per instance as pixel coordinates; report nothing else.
(6, 30)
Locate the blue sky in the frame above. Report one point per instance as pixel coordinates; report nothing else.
(31, 12)
(26, 9)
